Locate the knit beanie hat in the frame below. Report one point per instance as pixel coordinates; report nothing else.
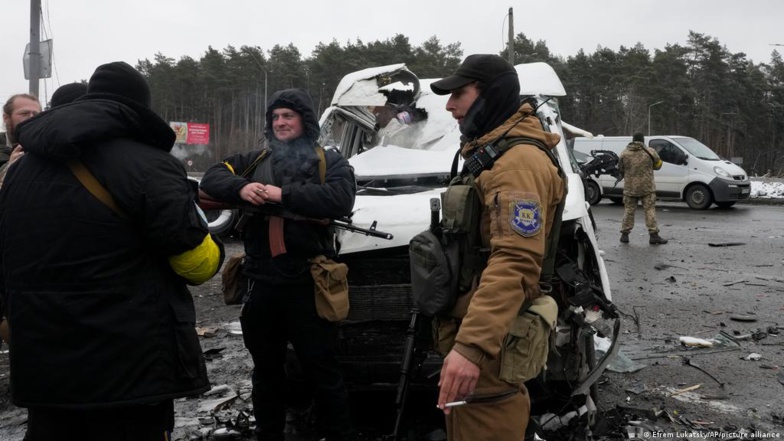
(119, 78)
(68, 93)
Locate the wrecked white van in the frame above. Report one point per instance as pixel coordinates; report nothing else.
(397, 176)
(692, 172)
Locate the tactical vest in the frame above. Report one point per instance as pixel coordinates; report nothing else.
(445, 261)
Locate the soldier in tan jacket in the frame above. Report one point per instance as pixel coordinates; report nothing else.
(519, 195)
(637, 163)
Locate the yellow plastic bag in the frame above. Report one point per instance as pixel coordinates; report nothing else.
(330, 280)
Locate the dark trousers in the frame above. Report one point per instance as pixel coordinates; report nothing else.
(130, 423)
(273, 316)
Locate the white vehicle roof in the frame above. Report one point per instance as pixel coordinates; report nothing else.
(405, 215)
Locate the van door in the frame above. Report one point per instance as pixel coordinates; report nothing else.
(671, 179)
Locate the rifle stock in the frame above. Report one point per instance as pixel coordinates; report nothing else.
(207, 202)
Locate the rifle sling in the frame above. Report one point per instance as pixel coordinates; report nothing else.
(276, 223)
(95, 188)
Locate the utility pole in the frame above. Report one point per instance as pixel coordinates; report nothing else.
(649, 116)
(35, 45)
(510, 44)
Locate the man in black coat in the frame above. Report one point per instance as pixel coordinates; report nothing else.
(101, 318)
(280, 308)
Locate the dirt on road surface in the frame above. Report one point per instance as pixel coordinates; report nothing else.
(731, 295)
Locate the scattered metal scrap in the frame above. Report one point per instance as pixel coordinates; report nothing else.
(734, 282)
(743, 318)
(687, 361)
(662, 265)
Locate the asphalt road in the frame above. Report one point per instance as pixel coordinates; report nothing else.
(696, 292)
(688, 288)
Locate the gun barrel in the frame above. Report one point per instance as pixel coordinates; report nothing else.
(206, 202)
(366, 231)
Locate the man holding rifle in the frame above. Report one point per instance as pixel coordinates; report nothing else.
(295, 172)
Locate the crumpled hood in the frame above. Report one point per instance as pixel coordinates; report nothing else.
(65, 132)
(523, 123)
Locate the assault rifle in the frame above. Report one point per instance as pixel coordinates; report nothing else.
(206, 202)
(413, 354)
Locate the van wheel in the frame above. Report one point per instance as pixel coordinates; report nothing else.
(699, 197)
(725, 204)
(593, 193)
(616, 200)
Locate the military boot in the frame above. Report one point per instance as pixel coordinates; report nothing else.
(657, 240)
(625, 238)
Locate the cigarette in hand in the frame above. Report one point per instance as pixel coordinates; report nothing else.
(453, 404)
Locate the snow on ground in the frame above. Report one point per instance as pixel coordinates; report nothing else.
(767, 189)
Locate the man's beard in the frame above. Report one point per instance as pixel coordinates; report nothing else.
(9, 133)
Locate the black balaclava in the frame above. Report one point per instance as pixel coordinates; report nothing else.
(498, 101)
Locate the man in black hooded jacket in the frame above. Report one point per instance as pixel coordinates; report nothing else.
(281, 307)
(102, 323)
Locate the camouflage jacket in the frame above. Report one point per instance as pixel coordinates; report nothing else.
(637, 168)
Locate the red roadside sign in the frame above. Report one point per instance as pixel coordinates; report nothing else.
(198, 133)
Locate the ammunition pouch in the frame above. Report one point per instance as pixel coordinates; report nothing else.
(433, 269)
(445, 263)
(330, 280)
(234, 284)
(526, 346)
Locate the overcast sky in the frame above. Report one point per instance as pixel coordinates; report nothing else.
(87, 33)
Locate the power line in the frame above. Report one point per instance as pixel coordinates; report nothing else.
(51, 33)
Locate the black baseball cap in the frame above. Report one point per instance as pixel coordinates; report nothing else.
(477, 67)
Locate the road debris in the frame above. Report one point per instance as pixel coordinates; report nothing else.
(752, 357)
(206, 331)
(687, 361)
(743, 318)
(726, 244)
(695, 342)
(734, 283)
(661, 265)
(226, 396)
(637, 388)
(212, 354)
(234, 328)
(686, 389)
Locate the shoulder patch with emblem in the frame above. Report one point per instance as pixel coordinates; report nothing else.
(525, 217)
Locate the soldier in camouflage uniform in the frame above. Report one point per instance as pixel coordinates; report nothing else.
(637, 163)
